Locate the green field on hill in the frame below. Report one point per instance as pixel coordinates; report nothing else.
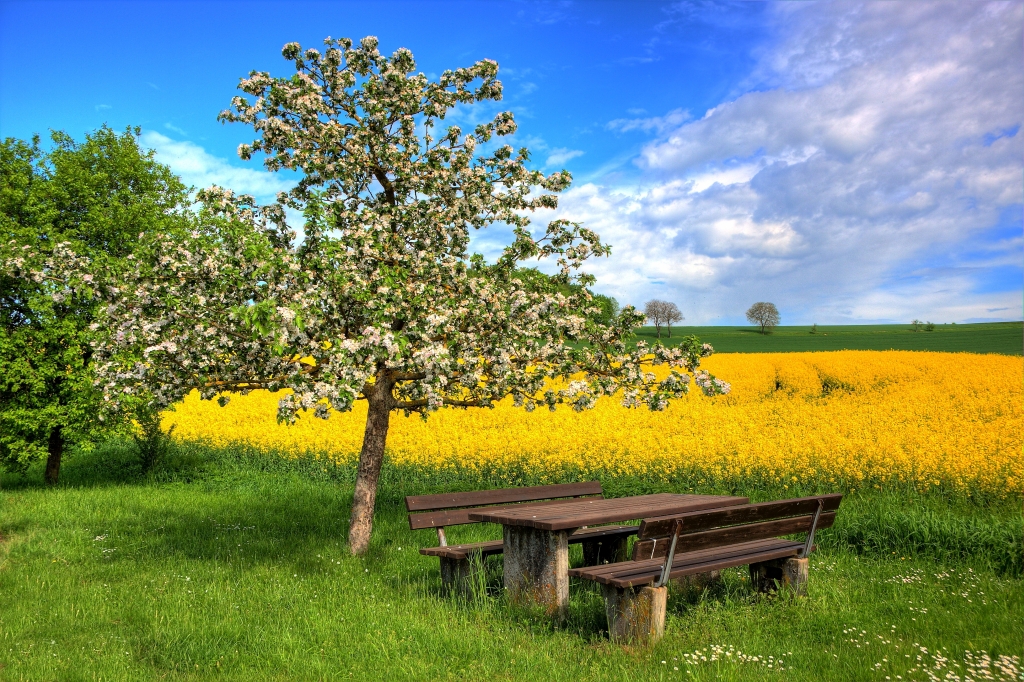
(1006, 338)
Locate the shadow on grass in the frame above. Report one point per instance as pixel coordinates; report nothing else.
(111, 463)
(116, 462)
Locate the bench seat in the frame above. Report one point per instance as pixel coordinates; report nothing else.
(646, 572)
(490, 547)
(702, 543)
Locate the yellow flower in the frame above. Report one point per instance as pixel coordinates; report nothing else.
(841, 419)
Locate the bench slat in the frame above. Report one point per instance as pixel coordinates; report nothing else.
(721, 563)
(593, 532)
(477, 498)
(639, 573)
(464, 551)
(488, 547)
(748, 513)
(641, 565)
(658, 547)
(613, 510)
(458, 517)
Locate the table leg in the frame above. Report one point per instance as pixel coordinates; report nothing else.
(537, 568)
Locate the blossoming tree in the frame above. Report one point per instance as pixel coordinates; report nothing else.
(380, 300)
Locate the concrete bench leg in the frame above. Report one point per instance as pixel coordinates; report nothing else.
(791, 573)
(537, 568)
(460, 576)
(604, 551)
(794, 575)
(635, 615)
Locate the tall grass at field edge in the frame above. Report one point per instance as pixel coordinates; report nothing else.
(894, 521)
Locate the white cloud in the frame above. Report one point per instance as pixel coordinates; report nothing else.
(198, 167)
(175, 129)
(561, 155)
(879, 141)
(103, 107)
(653, 123)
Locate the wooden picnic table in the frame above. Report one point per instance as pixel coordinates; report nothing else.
(536, 537)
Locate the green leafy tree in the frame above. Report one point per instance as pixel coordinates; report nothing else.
(607, 307)
(76, 207)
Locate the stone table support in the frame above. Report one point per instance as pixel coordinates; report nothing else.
(537, 568)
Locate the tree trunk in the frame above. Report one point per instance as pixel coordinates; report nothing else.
(370, 460)
(55, 447)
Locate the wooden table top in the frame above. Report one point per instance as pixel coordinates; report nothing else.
(590, 511)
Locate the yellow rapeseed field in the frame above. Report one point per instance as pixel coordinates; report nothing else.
(848, 418)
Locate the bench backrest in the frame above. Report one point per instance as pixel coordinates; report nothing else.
(733, 525)
(453, 509)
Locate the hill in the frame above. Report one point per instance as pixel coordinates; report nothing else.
(1006, 338)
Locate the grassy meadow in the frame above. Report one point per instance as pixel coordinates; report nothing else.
(990, 337)
(231, 564)
(229, 561)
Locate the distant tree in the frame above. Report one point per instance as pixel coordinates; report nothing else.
(79, 206)
(917, 324)
(662, 313)
(929, 326)
(654, 311)
(764, 314)
(672, 314)
(814, 328)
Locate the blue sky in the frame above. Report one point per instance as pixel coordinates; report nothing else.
(851, 162)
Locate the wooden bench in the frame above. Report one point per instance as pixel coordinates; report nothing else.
(458, 562)
(674, 547)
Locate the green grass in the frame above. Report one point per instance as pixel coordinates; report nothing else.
(231, 564)
(1006, 338)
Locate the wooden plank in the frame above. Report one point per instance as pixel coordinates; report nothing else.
(513, 515)
(584, 534)
(570, 509)
(488, 547)
(731, 535)
(657, 548)
(606, 511)
(464, 551)
(592, 512)
(638, 573)
(458, 517)
(629, 569)
(712, 565)
(748, 513)
(625, 567)
(478, 498)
